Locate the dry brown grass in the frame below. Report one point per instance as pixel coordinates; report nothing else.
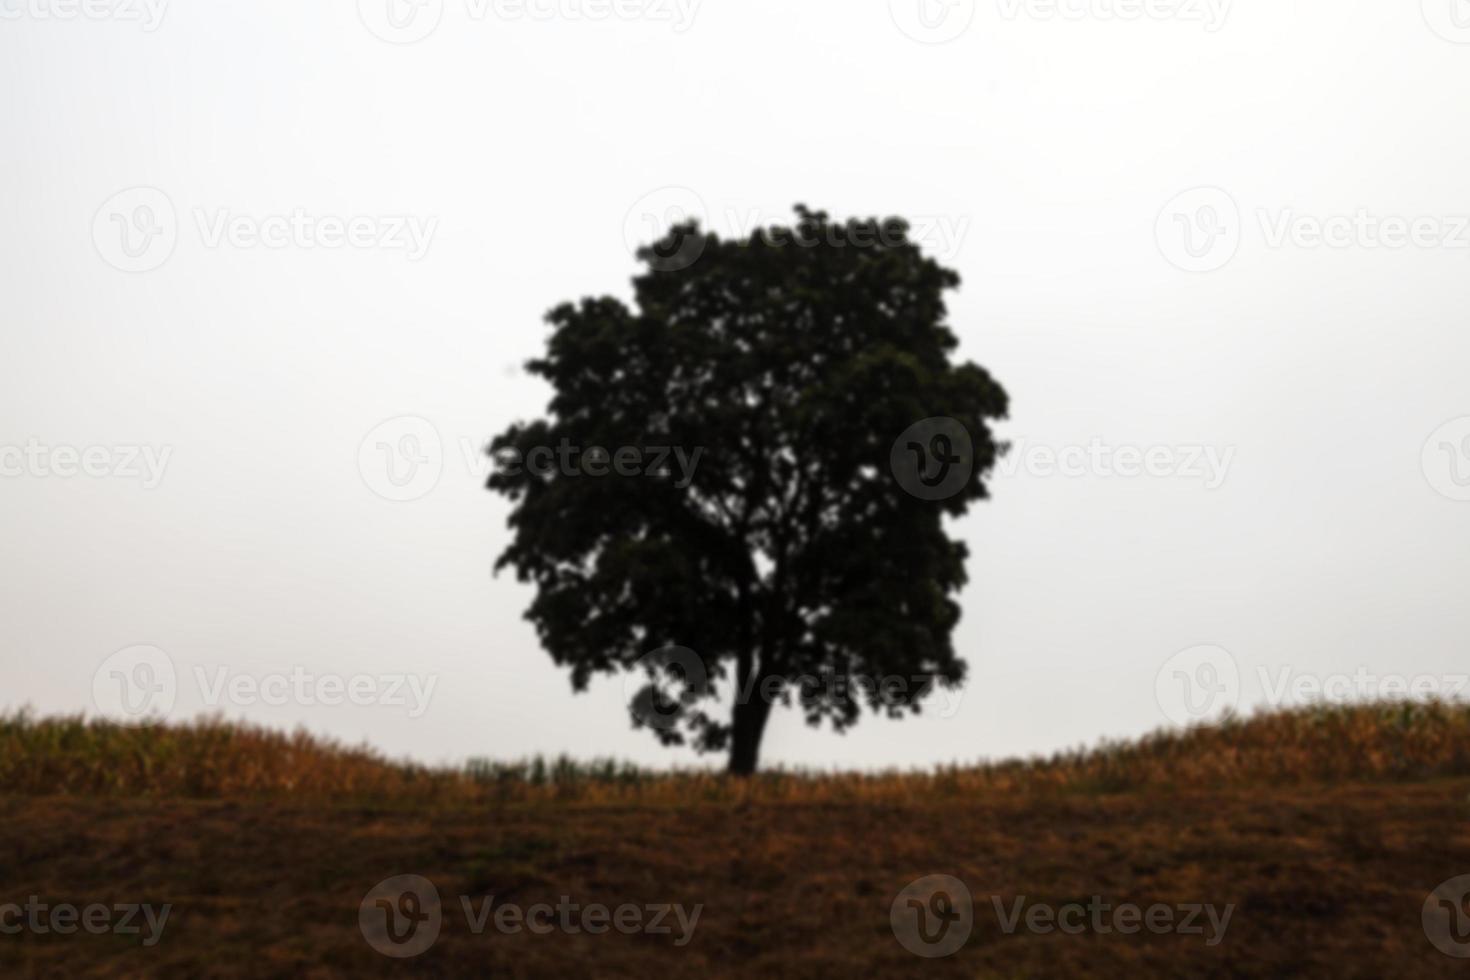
(1325, 830)
(210, 759)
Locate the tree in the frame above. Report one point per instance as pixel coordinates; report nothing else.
(796, 544)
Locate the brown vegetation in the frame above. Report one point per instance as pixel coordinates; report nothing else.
(1326, 829)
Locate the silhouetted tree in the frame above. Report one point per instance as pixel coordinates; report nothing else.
(801, 556)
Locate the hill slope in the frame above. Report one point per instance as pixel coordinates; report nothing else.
(1323, 833)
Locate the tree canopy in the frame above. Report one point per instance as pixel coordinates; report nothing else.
(793, 549)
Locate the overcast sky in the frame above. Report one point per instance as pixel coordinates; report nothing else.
(267, 272)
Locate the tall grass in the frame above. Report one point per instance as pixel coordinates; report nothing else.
(213, 759)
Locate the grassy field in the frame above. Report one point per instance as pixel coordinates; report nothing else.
(1322, 832)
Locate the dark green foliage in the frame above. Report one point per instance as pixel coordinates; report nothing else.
(793, 360)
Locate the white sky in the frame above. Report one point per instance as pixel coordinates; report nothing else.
(1041, 152)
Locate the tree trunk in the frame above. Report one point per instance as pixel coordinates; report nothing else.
(751, 712)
